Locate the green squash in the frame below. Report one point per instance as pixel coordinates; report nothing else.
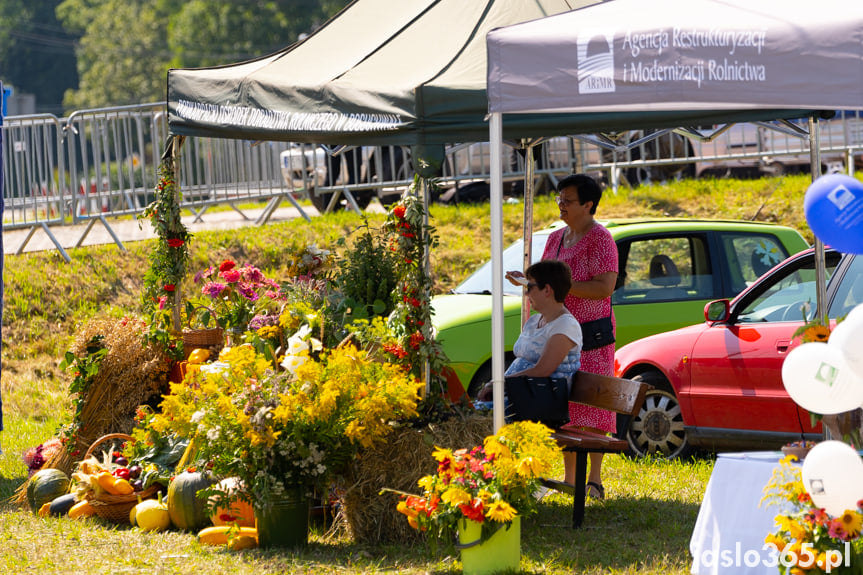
(187, 510)
(61, 505)
(45, 486)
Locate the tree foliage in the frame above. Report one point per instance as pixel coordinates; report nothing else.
(36, 52)
(216, 32)
(127, 46)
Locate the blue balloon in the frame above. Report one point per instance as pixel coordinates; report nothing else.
(834, 210)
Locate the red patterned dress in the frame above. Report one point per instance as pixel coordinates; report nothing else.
(594, 254)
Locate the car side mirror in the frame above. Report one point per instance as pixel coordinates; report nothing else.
(717, 310)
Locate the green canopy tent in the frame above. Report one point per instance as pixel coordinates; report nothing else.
(411, 72)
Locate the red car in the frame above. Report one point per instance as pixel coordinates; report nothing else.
(718, 385)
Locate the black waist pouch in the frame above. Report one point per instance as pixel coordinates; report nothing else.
(597, 333)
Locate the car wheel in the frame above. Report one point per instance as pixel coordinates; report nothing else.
(657, 429)
(483, 375)
(321, 201)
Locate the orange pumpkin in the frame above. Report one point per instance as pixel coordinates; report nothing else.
(242, 511)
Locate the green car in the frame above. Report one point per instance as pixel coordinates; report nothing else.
(669, 269)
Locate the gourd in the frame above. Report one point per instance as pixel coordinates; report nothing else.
(44, 486)
(61, 505)
(114, 485)
(199, 355)
(81, 509)
(152, 515)
(221, 535)
(242, 511)
(186, 509)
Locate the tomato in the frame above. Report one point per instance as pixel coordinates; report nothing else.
(122, 473)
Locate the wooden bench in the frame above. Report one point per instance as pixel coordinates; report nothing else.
(615, 394)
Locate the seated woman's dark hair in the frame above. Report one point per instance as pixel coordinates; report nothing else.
(554, 273)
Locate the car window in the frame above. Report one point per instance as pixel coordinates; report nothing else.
(789, 296)
(513, 259)
(750, 256)
(664, 269)
(850, 292)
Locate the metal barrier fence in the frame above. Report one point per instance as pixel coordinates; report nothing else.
(102, 163)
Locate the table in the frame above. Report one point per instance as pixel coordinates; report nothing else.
(729, 533)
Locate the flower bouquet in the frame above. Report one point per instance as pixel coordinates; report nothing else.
(278, 431)
(232, 296)
(490, 484)
(807, 539)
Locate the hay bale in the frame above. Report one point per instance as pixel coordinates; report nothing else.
(371, 516)
(130, 375)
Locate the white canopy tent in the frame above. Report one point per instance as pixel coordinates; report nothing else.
(679, 64)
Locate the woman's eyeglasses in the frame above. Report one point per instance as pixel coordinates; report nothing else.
(561, 200)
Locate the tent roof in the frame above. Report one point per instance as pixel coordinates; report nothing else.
(680, 59)
(406, 72)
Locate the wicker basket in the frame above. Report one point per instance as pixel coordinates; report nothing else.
(202, 338)
(116, 508)
(105, 440)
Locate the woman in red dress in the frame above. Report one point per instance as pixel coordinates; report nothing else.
(590, 251)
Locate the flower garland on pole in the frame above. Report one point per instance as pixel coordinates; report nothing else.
(169, 258)
(411, 238)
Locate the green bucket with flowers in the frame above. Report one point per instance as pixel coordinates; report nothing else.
(482, 493)
(500, 553)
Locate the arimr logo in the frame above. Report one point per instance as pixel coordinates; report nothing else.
(596, 63)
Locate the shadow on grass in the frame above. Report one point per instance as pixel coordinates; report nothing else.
(617, 534)
(620, 535)
(8, 486)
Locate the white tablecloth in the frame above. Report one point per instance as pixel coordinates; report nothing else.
(729, 533)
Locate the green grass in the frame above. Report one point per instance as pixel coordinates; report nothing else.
(643, 527)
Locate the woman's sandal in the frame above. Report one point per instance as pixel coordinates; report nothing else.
(595, 490)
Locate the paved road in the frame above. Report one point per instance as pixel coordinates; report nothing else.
(128, 230)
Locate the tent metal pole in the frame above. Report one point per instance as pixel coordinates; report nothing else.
(495, 133)
(175, 166)
(820, 267)
(527, 225)
(424, 191)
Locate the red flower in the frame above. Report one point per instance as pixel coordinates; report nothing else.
(396, 350)
(416, 339)
(227, 265)
(170, 287)
(474, 511)
(175, 242)
(399, 212)
(230, 276)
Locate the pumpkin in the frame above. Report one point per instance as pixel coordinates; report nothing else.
(241, 511)
(152, 515)
(186, 509)
(61, 505)
(45, 486)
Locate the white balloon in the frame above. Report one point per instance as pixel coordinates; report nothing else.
(817, 378)
(833, 476)
(847, 337)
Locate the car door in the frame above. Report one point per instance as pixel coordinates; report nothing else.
(736, 367)
(664, 280)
